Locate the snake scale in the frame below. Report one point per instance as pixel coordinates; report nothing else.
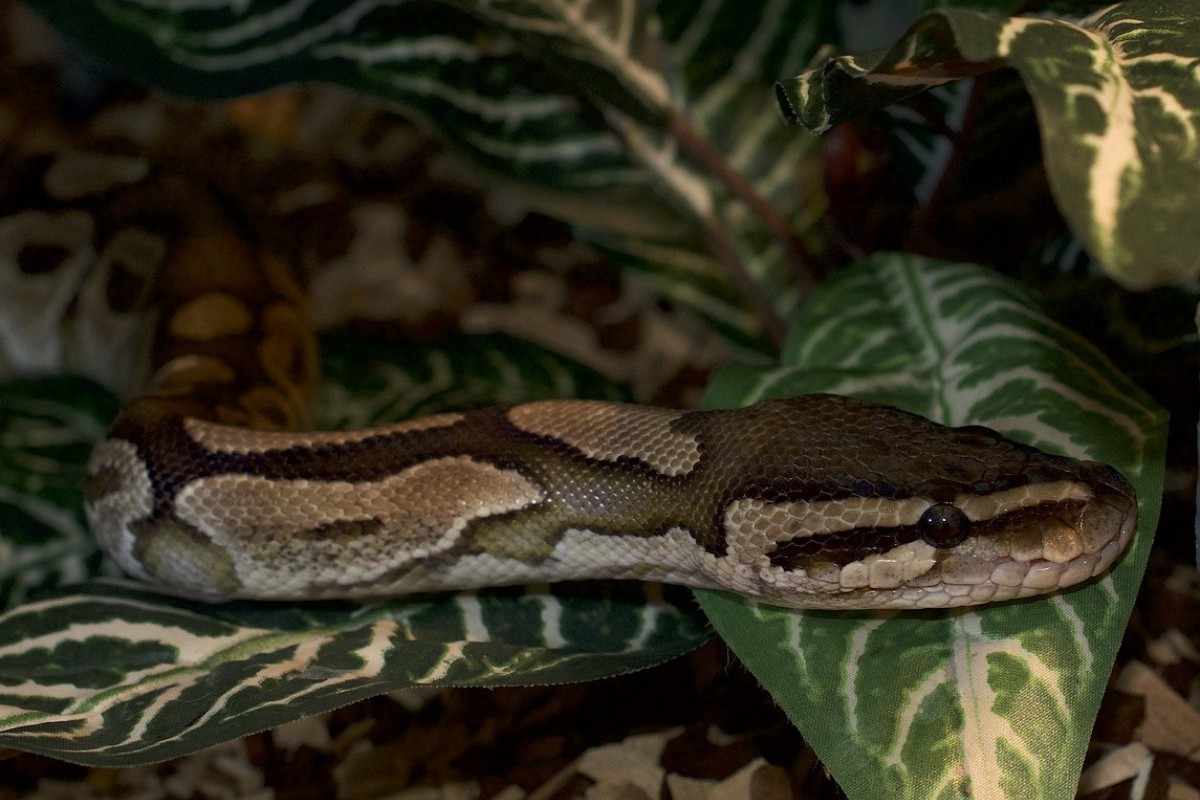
(204, 485)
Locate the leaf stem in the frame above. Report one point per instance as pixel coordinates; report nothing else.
(702, 153)
(690, 191)
(924, 221)
(722, 248)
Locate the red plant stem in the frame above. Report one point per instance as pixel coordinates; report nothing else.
(704, 155)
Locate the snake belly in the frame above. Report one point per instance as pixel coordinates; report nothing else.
(817, 501)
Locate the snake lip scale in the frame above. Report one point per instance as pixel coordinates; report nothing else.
(818, 501)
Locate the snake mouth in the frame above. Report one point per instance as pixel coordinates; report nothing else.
(1110, 520)
(1076, 546)
(1035, 551)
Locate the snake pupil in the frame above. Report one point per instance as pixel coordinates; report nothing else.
(943, 525)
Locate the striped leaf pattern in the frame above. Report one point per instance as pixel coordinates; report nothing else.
(47, 428)
(110, 675)
(652, 129)
(372, 382)
(1117, 97)
(635, 124)
(991, 703)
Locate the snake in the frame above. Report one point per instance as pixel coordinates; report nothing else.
(209, 483)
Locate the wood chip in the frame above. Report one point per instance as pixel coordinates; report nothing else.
(467, 790)
(758, 780)
(1120, 765)
(685, 788)
(369, 772)
(1171, 648)
(310, 731)
(632, 763)
(1171, 724)
(1180, 790)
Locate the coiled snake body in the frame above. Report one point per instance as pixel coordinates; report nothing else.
(816, 501)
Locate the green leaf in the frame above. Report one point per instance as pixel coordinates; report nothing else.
(373, 382)
(995, 702)
(1117, 96)
(47, 429)
(650, 127)
(112, 674)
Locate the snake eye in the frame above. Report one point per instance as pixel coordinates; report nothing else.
(943, 525)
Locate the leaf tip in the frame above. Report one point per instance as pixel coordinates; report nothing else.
(790, 113)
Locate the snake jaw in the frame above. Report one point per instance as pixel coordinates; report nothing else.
(1027, 540)
(1084, 540)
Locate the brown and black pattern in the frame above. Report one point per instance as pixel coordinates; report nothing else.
(535, 486)
(813, 501)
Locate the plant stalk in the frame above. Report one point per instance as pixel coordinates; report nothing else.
(702, 153)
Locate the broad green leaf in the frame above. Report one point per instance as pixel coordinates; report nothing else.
(110, 673)
(372, 382)
(47, 428)
(651, 127)
(1117, 97)
(997, 702)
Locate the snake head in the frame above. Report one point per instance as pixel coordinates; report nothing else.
(886, 509)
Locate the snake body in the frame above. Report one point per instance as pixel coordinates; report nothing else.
(817, 501)
(206, 486)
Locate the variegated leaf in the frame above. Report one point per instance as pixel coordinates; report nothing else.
(996, 702)
(47, 428)
(373, 382)
(1117, 97)
(652, 129)
(113, 674)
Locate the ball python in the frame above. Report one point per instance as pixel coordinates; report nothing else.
(206, 485)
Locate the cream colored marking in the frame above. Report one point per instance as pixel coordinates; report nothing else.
(1043, 575)
(178, 557)
(210, 317)
(1009, 573)
(111, 514)
(76, 175)
(192, 369)
(673, 553)
(903, 564)
(917, 570)
(769, 523)
(272, 528)
(1080, 569)
(824, 571)
(855, 575)
(1061, 544)
(979, 507)
(676, 550)
(963, 569)
(468, 571)
(672, 557)
(610, 431)
(232, 439)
